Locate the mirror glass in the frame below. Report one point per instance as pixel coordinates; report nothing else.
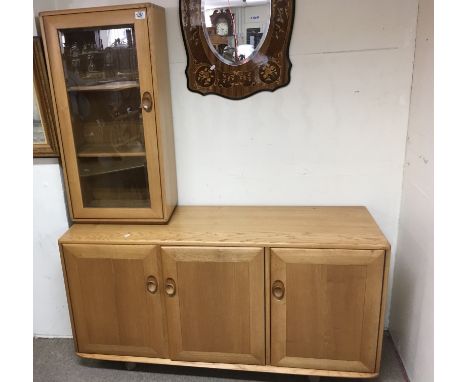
(236, 29)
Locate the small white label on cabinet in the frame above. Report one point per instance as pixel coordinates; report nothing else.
(140, 15)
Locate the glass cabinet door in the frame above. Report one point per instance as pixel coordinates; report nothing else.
(101, 74)
(107, 117)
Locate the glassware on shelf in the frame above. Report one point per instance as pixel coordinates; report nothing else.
(91, 66)
(104, 97)
(108, 64)
(94, 56)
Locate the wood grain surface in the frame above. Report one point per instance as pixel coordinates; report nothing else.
(113, 311)
(307, 227)
(329, 316)
(217, 313)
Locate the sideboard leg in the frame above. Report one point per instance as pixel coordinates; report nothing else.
(130, 365)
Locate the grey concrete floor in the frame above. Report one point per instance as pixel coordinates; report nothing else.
(55, 361)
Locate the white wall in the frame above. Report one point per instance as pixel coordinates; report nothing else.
(335, 136)
(412, 316)
(49, 222)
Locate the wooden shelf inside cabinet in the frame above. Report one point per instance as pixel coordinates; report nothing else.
(118, 203)
(94, 169)
(93, 151)
(109, 86)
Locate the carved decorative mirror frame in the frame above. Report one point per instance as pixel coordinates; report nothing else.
(267, 70)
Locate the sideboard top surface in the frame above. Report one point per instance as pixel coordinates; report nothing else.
(308, 227)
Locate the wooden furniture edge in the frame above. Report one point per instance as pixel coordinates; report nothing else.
(227, 366)
(158, 47)
(383, 307)
(387, 247)
(163, 301)
(181, 243)
(118, 221)
(56, 116)
(267, 277)
(98, 9)
(67, 291)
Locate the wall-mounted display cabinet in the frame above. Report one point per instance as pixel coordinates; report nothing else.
(295, 290)
(110, 78)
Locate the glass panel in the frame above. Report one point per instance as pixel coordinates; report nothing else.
(236, 29)
(101, 75)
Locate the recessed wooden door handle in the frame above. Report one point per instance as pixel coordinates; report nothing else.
(151, 284)
(147, 101)
(170, 287)
(277, 290)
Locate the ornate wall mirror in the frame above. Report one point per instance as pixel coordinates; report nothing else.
(236, 48)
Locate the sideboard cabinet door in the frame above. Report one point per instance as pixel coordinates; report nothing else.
(215, 304)
(325, 308)
(115, 297)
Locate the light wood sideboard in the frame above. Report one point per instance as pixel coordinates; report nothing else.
(295, 290)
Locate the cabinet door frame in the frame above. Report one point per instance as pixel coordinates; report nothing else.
(171, 255)
(51, 24)
(375, 263)
(149, 256)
